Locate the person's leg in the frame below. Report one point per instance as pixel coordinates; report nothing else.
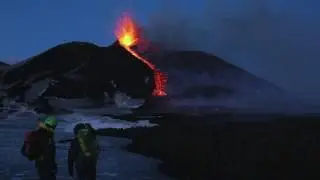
(46, 173)
(82, 173)
(41, 173)
(51, 175)
(92, 173)
(86, 171)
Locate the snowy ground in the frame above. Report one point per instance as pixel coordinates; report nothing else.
(114, 163)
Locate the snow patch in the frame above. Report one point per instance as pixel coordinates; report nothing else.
(99, 122)
(124, 101)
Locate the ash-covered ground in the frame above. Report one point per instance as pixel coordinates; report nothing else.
(231, 146)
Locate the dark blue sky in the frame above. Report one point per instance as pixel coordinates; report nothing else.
(275, 39)
(28, 27)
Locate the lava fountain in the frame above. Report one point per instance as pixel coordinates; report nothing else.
(128, 36)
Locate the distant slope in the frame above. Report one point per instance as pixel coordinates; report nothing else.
(210, 67)
(90, 69)
(197, 77)
(55, 60)
(3, 66)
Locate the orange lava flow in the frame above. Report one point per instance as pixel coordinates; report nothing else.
(128, 36)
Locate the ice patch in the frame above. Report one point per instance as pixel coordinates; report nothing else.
(124, 101)
(36, 90)
(16, 110)
(99, 122)
(107, 174)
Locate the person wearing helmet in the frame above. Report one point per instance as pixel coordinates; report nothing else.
(83, 152)
(39, 146)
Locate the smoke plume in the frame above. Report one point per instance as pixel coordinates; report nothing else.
(277, 40)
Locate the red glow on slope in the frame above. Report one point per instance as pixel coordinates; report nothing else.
(128, 36)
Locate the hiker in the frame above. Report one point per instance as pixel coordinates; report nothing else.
(83, 153)
(39, 146)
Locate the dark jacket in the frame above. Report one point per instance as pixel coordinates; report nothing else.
(85, 166)
(46, 163)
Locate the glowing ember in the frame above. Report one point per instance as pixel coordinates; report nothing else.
(128, 36)
(126, 32)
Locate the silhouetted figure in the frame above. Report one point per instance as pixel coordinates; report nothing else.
(39, 146)
(83, 153)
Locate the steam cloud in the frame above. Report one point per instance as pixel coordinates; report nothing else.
(277, 40)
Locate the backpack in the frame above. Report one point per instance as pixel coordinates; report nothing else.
(32, 146)
(88, 142)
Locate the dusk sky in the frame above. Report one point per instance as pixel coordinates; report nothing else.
(29, 27)
(276, 39)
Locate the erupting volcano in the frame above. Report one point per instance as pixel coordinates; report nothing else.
(128, 36)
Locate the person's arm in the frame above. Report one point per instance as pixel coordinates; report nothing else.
(23, 149)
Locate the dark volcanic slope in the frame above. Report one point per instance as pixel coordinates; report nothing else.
(55, 60)
(89, 68)
(192, 60)
(194, 74)
(3, 67)
(127, 71)
(4, 64)
(204, 63)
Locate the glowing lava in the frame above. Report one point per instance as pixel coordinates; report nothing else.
(128, 36)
